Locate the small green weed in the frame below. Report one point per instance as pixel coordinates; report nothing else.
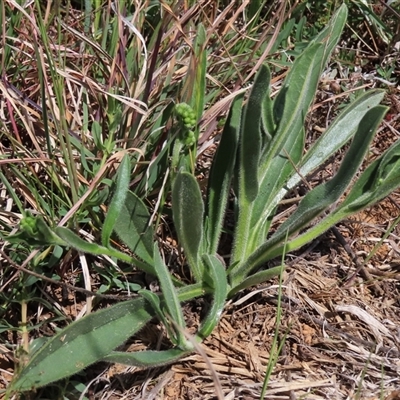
(261, 158)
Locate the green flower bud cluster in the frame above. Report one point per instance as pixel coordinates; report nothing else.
(187, 117)
(29, 225)
(189, 139)
(35, 232)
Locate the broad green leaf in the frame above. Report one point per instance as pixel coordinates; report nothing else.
(89, 340)
(324, 195)
(117, 202)
(376, 182)
(146, 359)
(217, 278)
(293, 101)
(82, 343)
(290, 109)
(220, 177)
(132, 227)
(251, 140)
(247, 165)
(338, 134)
(282, 166)
(188, 212)
(318, 199)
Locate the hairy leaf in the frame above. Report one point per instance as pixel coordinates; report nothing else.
(117, 201)
(146, 359)
(220, 177)
(188, 210)
(132, 227)
(217, 279)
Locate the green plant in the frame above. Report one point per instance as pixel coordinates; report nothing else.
(261, 158)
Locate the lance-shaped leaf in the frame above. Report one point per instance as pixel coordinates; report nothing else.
(217, 279)
(170, 304)
(294, 99)
(324, 195)
(280, 157)
(318, 199)
(220, 177)
(77, 243)
(380, 179)
(338, 134)
(250, 135)
(146, 359)
(281, 167)
(188, 212)
(132, 227)
(331, 34)
(82, 343)
(89, 340)
(290, 109)
(117, 202)
(293, 102)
